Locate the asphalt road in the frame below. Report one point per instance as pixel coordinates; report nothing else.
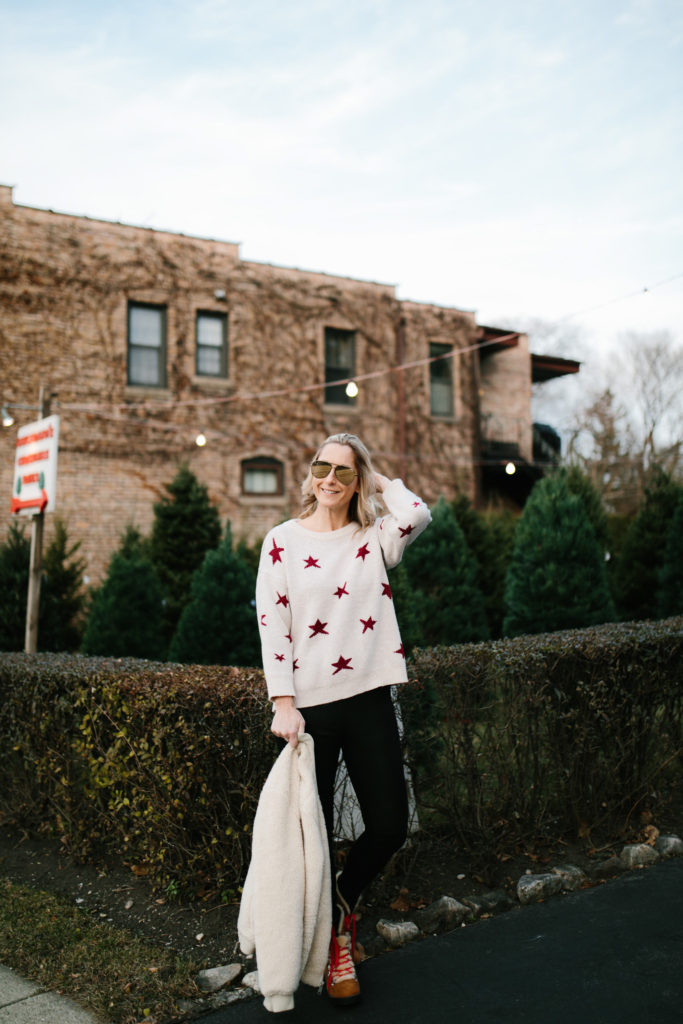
(608, 955)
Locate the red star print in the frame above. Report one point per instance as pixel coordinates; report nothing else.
(318, 627)
(400, 651)
(340, 664)
(311, 563)
(295, 665)
(275, 552)
(263, 620)
(363, 552)
(416, 504)
(288, 636)
(282, 599)
(386, 591)
(404, 533)
(279, 657)
(340, 591)
(369, 623)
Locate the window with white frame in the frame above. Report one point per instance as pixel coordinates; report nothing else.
(262, 476)
(441, 379)
(212, 344)
(146, 345)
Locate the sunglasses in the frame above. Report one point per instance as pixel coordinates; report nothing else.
(344, 474)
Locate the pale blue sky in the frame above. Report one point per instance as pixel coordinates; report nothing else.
(517, 158)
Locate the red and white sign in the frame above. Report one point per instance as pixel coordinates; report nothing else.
(34, 484)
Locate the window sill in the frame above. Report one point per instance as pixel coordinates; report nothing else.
(263, 499)
(212, 383)
(145, 391)
(437, 418)
(340, 407)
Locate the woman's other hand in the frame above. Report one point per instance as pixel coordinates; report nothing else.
(287, 721)
(381, 482)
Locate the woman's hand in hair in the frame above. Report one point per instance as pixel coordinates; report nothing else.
(381, 482)
(287, 721)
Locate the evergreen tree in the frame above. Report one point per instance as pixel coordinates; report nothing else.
(186, 526)
(583, 487)
(489, 536)
(218, 625)
(62, 600)
(671, 572)
(556, 579)
(15, 555)
(126, 614)
(642, 555)
(443, 577)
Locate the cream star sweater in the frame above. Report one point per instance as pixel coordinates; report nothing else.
(325, 607)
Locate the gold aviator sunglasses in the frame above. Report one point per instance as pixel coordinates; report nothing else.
(344, 474)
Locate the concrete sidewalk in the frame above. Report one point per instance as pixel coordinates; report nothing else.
(24, 1002)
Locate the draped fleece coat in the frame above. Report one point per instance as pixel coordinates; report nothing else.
(286, 909)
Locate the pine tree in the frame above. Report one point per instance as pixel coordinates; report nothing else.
(670, 596)
(186, 526)
(556, 578)
(642, 554)
(443, 576)
(15, 555)
(62, 600)
(581, 485)
(126, 614)
(218, 625)
(489, 536)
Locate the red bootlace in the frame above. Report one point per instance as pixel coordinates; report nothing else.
(341, 962)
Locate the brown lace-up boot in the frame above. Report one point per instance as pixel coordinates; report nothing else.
(342, 982)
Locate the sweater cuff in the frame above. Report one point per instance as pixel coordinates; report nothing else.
(279, 1003)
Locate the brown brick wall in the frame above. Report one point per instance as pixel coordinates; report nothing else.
(65, 283)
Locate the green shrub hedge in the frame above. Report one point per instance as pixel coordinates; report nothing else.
(559, 733)
(158, 764)
(162, 765)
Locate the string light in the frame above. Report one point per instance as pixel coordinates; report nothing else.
(510, 468)
(352, 389)
(200, 439)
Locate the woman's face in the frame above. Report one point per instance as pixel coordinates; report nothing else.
(330, 493)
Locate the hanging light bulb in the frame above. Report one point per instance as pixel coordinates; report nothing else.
(7, 417)
(510, 468)
(200, 439)
(352, 389)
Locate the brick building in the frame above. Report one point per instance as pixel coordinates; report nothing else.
(146, 339)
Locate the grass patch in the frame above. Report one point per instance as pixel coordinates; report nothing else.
(117, 976)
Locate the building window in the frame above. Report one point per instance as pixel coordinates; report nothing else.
(262, 476)
(212, 344)
(340, 364)
(441, 380)
(146, 345)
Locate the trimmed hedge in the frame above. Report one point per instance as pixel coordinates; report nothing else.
(159, 764)
(162, 765)
(559, 733)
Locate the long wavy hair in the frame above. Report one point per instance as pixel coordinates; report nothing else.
(365, 503)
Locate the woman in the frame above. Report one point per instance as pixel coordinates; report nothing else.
(332, 649)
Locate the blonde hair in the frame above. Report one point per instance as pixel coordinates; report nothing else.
(364, 504)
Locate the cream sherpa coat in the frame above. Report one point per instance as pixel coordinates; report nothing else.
(286, 910)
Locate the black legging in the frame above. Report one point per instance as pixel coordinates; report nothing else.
(364, 730)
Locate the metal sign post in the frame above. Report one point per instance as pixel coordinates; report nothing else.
(33, 493)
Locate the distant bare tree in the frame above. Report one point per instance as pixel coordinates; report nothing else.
(635, 423)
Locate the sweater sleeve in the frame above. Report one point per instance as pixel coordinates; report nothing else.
(408, 517)
(275, 617)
